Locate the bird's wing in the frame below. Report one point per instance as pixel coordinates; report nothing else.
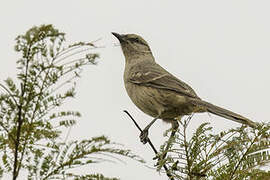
(153, 75)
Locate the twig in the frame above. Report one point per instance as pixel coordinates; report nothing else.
(152, 146)
(175, 126)
(11, 95)
(16, 166)
(243, 156)
(6, 129)
(186, 145)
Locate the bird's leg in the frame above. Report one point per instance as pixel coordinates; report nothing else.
(175, 126)
(144, 133)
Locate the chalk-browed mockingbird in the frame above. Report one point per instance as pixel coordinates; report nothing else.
(157, 92)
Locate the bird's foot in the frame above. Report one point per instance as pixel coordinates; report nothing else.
(144, 136)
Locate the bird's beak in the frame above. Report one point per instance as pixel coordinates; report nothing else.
(118, 36)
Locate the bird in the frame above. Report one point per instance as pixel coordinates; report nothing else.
(157, 92)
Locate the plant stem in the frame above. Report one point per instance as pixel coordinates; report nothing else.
(168, 173)
(20, 120)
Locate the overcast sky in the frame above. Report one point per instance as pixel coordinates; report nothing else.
(220, 48)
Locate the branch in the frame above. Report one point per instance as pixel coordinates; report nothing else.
(20, 120)
(151, 144)
(72, 54)
(35, 110)
(243, 156)
(184, 124)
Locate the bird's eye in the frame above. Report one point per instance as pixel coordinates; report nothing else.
(137, 40)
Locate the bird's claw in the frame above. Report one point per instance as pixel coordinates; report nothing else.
(144, 136)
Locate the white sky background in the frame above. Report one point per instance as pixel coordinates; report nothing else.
(220, 48)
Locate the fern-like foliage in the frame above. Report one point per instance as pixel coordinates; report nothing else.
(55, 161)
(30, 121)
(237, 153)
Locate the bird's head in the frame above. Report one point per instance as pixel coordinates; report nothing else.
(133, 45)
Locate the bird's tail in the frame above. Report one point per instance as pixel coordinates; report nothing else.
(208, 107)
